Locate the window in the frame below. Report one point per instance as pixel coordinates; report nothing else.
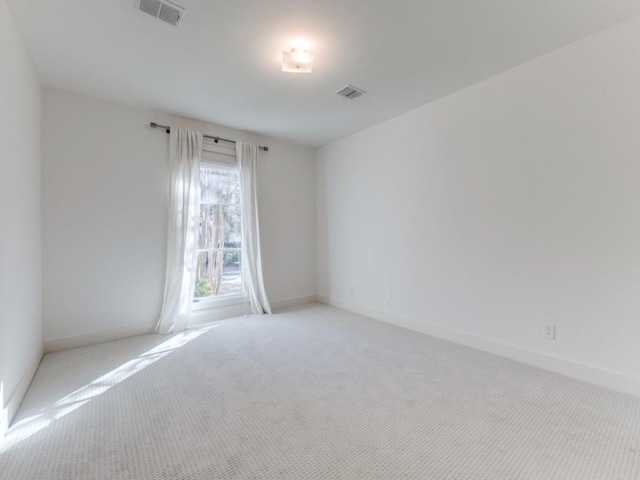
(219, 271)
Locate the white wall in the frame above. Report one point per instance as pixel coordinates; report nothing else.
(509, 204)
(20, 273)
(105, 194)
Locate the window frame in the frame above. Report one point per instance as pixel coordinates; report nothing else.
(215, 301)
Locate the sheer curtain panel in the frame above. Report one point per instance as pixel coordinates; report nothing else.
(247, 155)
(185, 147)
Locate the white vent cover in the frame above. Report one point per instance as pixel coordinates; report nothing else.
(350, 92)
(163, 9)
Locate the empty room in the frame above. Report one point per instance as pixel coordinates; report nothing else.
(320, 240)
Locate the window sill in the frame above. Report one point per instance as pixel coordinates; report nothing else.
(213, 310)
(213, 302)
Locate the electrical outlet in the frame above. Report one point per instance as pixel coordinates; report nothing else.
(550, 331)
(388, 294)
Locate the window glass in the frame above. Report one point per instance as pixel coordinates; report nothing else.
(219, 270)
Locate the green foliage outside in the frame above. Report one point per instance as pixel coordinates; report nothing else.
(203, 288)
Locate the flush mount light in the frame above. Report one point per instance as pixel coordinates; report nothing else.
(297, 60)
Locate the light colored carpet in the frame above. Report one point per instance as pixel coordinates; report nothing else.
(313, 393)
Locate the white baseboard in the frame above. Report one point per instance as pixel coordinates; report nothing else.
(198, 318)
(15, 398)
(603, 378)
(92, 338)
(292, 302)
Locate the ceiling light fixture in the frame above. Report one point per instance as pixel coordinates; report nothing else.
(297, 60)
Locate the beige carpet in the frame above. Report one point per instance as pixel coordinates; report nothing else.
(313, 393)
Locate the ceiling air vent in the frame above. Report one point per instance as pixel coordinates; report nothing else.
(162, 9)
(350, 92)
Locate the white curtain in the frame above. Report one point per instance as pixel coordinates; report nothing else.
(185, 147)
(247, 155)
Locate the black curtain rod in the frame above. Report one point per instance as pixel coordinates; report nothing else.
(216, 139)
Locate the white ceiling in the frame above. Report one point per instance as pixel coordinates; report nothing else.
(222, 63)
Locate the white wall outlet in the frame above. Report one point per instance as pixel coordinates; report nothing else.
(388, 294)
(550, 331)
